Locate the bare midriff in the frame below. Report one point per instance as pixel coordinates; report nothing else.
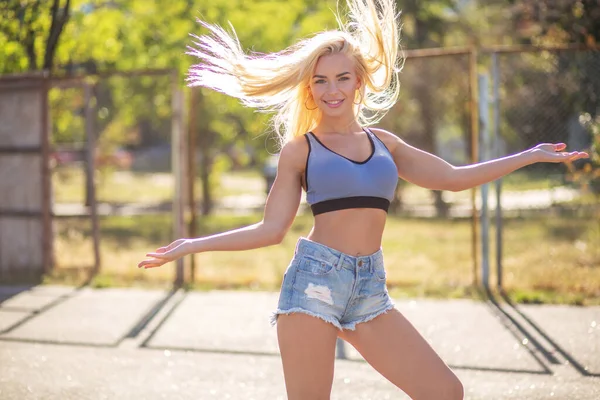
(357, 232)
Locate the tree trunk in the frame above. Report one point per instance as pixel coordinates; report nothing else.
(60, 16)
(205, 140)
(205, 172)
(29, 45)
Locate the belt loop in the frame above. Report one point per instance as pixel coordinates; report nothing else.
(371, 269)
(340, 262)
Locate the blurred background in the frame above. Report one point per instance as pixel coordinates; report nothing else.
(125, 158)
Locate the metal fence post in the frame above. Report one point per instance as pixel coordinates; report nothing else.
(90, 134)
(178, 167)
(497, 145)
(474, 153)
(191, 172)
(484, 156)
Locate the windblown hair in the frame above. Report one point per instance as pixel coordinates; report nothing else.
(279, 82)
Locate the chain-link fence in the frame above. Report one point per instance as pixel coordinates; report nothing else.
(550, 221)
(433, 113)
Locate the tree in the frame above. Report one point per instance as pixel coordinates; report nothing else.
(557, 22)
(32, 28)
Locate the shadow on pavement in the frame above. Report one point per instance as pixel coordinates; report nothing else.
(144, 322)
(573, 362)
(151, 314)
(511, 324)
(34, 313)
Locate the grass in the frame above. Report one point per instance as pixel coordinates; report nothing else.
(531, 180)
(549, 260)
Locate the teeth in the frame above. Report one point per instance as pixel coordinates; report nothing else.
(334, 102)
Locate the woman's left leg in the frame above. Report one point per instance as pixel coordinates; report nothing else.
(395, 349)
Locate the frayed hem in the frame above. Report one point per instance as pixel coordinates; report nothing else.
(273, 318)
(352, 326)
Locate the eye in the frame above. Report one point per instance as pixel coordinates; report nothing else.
(320, 81)
(344, 78)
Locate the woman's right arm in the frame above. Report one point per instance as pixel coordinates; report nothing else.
(280, 210)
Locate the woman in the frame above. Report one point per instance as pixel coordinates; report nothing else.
(325, 91)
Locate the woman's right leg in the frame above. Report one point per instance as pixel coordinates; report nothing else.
(307, 346)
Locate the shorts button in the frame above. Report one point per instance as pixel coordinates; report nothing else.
(360, 263)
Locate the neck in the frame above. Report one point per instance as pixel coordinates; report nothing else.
(343, 125)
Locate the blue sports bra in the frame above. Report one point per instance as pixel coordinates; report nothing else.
(334, 182)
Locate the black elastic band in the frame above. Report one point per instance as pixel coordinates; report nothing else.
(350, 202)
(307, 157)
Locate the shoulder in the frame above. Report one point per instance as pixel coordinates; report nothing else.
(390, 140)
(294, 153)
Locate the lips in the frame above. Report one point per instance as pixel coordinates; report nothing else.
(333, 103)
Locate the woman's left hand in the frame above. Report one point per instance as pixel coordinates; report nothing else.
(163, 255)
(551, 152)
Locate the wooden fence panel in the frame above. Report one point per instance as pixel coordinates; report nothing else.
(25, 225)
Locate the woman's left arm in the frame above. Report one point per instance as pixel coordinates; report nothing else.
(432, 172)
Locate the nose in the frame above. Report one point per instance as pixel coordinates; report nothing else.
(332, 88)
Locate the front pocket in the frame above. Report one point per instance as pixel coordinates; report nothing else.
(313, 266)
(379, 273)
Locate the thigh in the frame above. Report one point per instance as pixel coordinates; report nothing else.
(395, 349)
(307, 346)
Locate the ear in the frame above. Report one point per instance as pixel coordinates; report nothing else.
(309, 91)
(358, 82)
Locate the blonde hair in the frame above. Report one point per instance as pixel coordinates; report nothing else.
(279, 82)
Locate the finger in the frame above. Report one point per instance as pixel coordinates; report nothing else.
(153, 265)
(559, 146)
(157, 255)
(575, 155)
(145, 263)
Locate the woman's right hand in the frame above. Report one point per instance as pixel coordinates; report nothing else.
(163, 255)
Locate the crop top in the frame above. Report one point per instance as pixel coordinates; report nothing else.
(335, 182)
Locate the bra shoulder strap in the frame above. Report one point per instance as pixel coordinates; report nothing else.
(377, 140)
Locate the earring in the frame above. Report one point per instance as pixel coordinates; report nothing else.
(310, 109)
(361, 99)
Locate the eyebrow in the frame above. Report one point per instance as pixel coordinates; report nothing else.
(337, 76)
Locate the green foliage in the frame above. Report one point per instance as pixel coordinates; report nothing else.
(552, 22)
(588, 177)
(31, 30)
(594, 127)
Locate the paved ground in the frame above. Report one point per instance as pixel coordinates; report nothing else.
(68, 343)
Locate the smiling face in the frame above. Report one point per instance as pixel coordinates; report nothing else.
(334, 84)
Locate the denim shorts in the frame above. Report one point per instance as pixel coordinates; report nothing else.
(341, 289)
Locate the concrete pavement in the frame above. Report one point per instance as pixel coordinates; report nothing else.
(82, 343)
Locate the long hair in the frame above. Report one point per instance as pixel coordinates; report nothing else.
(279, 82)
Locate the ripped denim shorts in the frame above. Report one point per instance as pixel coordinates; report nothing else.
(338, 288)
